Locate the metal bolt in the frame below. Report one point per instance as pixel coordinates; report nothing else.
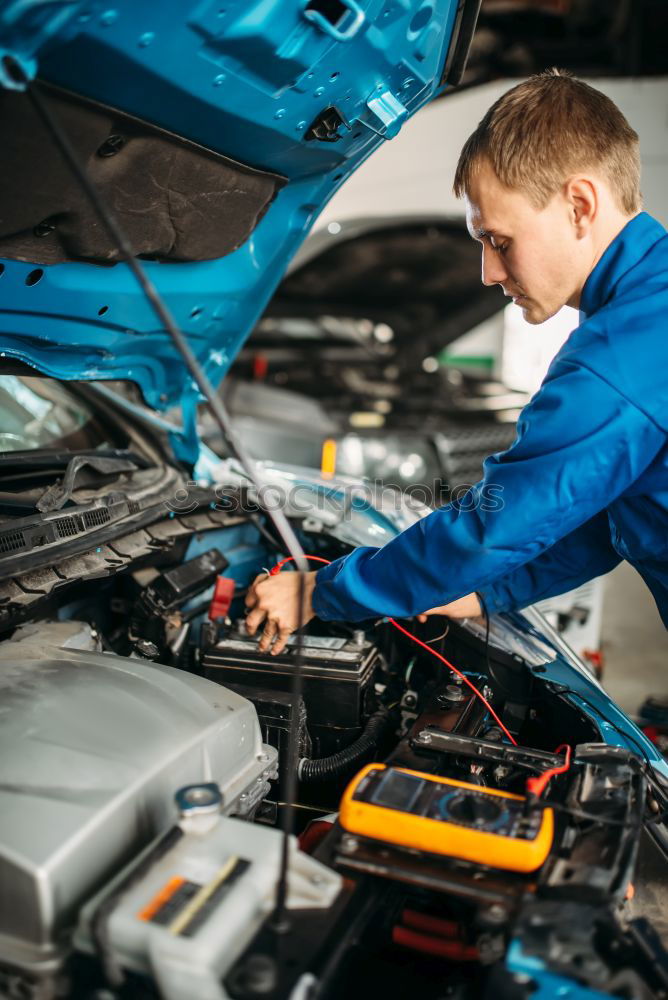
(259, 974)
(44, 228)
(147, 649)
(359, 637)
(495, 914)
(349, 844)
(487, 692)
(111, 145)
(451, 694)
(423, 738)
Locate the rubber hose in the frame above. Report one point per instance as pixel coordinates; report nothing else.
(338, 763)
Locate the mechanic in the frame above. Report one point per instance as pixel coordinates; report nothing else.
(551, 182)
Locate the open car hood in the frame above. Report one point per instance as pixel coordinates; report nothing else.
(216, 131)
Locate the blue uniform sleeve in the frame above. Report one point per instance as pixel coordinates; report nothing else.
(584, 554)
(581, 443)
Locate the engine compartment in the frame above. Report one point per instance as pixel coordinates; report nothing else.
(147, 676)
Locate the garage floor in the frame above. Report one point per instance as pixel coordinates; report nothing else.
(635, 641)
(636, 665)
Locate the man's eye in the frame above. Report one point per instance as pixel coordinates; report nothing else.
(500, 247)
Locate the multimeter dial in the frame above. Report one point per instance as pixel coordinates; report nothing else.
(470, 809)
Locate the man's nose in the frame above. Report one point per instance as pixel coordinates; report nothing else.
(493, 271)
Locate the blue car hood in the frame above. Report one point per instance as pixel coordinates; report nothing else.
(216, 131)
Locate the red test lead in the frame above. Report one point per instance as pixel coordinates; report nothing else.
(223, 595)
(279, 566)
(536, 786)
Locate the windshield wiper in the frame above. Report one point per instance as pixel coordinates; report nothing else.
(23, 473)
(57, 495)
(46, 458)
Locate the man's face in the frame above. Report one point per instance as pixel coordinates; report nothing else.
(532, 253)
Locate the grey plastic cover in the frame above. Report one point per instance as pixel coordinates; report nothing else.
(92, 749)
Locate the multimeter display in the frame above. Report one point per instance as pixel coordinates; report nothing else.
(396, 790)
(438, 800)
(446, 817)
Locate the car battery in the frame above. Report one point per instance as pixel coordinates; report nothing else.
(336, 679)
(276, 715)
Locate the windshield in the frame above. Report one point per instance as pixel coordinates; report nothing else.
(42, 413)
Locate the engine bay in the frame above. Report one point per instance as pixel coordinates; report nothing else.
(480, 822)
(451, 808)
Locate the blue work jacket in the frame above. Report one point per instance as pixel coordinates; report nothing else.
(584, 485)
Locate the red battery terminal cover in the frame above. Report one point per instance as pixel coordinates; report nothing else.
(223, 594)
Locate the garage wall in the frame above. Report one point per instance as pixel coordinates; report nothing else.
(412, 174)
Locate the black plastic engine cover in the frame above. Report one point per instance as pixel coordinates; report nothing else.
(174, 199)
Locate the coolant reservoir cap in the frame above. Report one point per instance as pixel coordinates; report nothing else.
(199, 800)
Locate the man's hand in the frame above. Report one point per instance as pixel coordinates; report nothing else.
(465, 607)
(274, 600)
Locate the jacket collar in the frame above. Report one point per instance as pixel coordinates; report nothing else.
(632, 243)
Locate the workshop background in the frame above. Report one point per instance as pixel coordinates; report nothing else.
(384, 302)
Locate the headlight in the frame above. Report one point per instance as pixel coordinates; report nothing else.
(407, 461)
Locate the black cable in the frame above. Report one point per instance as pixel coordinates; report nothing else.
(266, 534)
(564, 689)
(221, 417)
(485, 612)
(280, 920)
(582, 814)
(322, 768)
(646, 764)
(488, 663)
(198, 609)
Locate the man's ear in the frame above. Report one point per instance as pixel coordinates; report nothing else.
(582, 196)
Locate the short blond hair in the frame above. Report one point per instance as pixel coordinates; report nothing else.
(546, 129)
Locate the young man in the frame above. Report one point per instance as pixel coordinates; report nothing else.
(551, 182)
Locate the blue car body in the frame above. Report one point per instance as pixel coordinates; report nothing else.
(247, 81)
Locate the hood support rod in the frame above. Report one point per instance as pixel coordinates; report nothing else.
(280, 920)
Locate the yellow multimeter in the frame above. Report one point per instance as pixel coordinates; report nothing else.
(450, 818)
